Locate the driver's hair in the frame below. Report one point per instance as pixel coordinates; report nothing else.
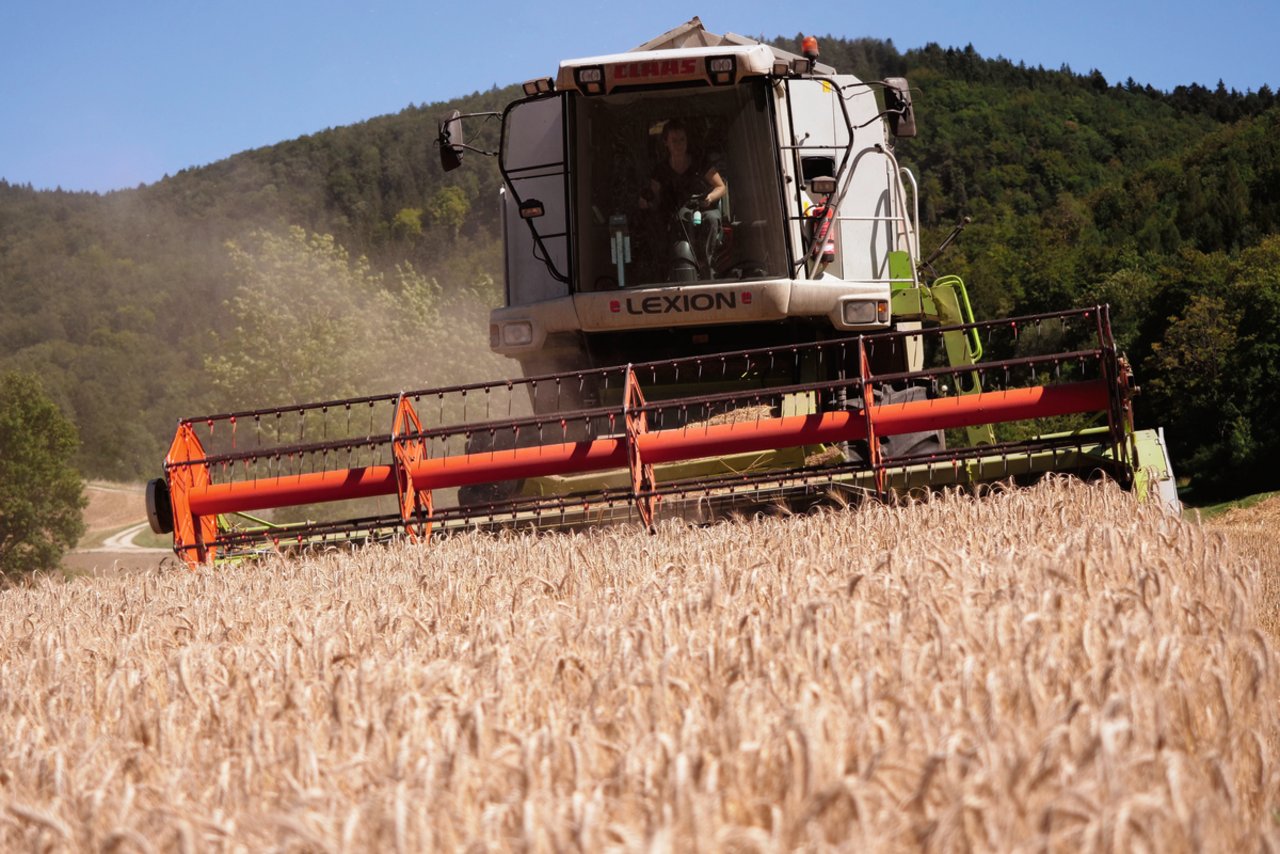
(671, 126)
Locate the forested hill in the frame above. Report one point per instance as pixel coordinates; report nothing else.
(241, 283)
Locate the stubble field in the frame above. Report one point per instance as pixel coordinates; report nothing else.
(1053, 669)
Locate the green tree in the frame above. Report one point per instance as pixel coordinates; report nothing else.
(408, 223)
(448, 208)
(41, 494)
(306, 321)
(312, 322)
(1213, 376)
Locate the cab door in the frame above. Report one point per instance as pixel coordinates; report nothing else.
(824, 142)
(534, 165)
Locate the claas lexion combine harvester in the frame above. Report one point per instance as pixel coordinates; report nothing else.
(684, 352)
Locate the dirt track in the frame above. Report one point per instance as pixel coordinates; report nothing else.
(114, 516)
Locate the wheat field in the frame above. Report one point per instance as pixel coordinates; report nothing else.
(1053, 669)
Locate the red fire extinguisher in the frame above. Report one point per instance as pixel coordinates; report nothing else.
(822, 217)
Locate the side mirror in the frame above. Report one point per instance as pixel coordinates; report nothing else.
(531, 209)
(898, 109)
(450, 141)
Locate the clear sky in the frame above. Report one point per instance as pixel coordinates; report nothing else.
(98, 95)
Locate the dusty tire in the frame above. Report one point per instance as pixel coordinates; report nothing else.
(906, 444)
(482, 494)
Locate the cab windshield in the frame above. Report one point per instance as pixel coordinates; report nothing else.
(676, 187)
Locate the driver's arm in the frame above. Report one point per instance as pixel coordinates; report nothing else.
(651, 200)
(718, 187)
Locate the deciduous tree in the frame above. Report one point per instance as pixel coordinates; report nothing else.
(448, 208)
(41, 494)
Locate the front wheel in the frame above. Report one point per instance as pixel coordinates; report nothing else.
(905, 444)
(494, 492)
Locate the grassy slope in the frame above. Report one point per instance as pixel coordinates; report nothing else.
(1054, 667)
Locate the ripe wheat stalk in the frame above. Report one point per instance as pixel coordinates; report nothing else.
(1051, 669)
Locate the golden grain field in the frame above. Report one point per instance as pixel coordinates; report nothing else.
(1055, 669)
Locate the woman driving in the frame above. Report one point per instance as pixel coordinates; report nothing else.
(681, 176)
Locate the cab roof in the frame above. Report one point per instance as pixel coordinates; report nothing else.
(679, 55)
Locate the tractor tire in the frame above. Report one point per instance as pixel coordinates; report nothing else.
(483, 494)
(159, 510)
(906, 444)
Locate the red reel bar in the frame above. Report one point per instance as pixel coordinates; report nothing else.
(204, 500)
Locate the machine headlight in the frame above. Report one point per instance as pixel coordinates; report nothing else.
(590, 79)
(517, 334)
(722, 69)
(859, 312)
(539, 86)
(865, 312)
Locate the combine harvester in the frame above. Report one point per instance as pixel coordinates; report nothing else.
(715, 291)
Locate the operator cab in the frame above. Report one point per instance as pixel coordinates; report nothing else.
(807, 240)
(622, 242)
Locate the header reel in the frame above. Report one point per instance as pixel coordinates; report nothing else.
(701, 434)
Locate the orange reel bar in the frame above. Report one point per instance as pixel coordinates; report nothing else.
(411, 462)
(200, 500)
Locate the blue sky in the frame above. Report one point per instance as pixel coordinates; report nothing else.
(100, 95)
